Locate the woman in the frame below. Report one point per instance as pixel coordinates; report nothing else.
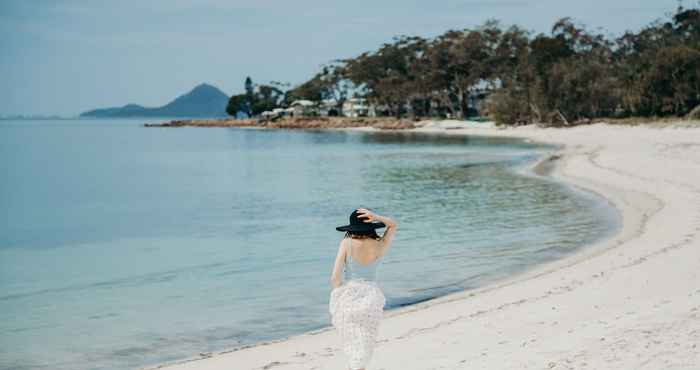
(357, 303)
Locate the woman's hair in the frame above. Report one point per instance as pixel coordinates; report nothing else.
(363, 234)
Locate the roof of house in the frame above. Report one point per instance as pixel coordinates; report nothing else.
(303, 103)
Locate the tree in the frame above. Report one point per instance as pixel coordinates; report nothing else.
(256, 99)
(659, 68)
(671, 85)
(236, 104)
(267, 97)
(250, 97)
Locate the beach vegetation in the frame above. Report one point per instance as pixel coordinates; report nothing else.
(571, 75)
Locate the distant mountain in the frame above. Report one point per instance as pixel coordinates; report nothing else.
(203, 101)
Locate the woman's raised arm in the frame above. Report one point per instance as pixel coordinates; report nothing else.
(391, 225)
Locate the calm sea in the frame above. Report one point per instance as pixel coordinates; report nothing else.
(123, 246)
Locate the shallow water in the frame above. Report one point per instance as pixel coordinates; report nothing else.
(122, 246)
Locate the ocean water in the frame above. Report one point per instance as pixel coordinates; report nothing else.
(123, 246)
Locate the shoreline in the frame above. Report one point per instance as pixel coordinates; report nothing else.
(301, 123)
(420, 325)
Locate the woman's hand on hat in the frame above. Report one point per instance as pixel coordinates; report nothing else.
(366, 214)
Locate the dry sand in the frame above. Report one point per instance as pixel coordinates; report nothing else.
(629, 302)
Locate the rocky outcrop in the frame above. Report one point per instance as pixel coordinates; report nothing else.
(296, 123)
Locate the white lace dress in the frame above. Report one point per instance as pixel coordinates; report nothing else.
(356, 308)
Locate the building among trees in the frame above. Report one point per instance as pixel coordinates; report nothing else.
(571, 74)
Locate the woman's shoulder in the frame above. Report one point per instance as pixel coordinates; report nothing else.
(379, 245)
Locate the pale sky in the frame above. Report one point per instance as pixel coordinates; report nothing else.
(64, 57)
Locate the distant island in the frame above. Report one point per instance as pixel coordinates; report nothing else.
(203, 101)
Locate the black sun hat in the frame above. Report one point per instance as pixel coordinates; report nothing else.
(359, 224)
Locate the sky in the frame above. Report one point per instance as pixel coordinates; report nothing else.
(64, 57)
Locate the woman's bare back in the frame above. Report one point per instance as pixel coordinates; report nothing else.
(365, 251)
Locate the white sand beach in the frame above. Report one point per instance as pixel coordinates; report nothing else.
(629, 302)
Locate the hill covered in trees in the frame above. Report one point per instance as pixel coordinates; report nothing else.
(202, 101)
(571, 74)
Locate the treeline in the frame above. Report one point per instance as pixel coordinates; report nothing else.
(572, 74)
(257, 98)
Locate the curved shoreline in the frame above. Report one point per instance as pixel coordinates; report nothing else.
(411, 329)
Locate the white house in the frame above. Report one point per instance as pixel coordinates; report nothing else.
(277, 113)
(328, 107)
(267, 114)
(303, 108)
(355, 107)
(280, 112)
